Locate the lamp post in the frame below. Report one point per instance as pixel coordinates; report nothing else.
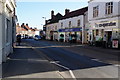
(44, 27)
(45, 19)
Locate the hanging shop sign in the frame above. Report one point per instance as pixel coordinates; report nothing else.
(70, 30)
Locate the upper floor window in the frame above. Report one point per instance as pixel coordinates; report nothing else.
(109, 8)
(95, 11)
(55, 27)
(61, 24)
(78, 22)
(69, 23)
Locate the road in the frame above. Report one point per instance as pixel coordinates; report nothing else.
(46, 59)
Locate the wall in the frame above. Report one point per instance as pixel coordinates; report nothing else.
(73, 20)
(101, 9)
(74, 23)
(0, 39)
(50, 27)
(7, 29)
(102, 17)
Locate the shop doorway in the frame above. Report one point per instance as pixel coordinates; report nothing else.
(109, 38)
(109, 33)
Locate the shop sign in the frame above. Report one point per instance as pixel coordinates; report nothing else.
(70, 30)
(115, 43)
(105, 24)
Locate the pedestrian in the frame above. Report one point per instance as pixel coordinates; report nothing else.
(19, 39)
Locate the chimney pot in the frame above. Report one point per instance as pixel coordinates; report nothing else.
(52, 14)
(26, 24)
(67, 11)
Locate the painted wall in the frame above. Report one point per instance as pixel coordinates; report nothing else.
(103, 18)
(51, 27)
(73, 22)
(102, 10)
(6, 28)
(0, 39)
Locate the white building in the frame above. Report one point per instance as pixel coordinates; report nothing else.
(104, 20)
(52, 26)
(51, 31)
(74, 24)
(7, 28)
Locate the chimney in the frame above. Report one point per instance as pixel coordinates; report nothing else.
(52, 14)
(23, 24)
(67, 11)
(18, 24)
(26, 24)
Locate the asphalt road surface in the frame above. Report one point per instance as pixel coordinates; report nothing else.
(45, 60)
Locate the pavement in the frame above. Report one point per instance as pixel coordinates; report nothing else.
(26, 63)
(55, 60)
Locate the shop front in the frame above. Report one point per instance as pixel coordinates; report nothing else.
(61, 36)
(72, 34)
(103, 33)
(55, 36)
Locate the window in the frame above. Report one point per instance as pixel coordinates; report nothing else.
(7, 30)
(61, 24)
(69, 23)
(95, 11)
(78, 23)
(55, 27)
(109, 8)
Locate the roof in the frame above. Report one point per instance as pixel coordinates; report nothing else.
(24, 29)
(56, 18)
(76, 13)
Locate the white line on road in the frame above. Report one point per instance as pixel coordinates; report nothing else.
(96, 60)
(56, 63)
(70, 71)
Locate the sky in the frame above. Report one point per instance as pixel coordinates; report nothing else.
(32, 12)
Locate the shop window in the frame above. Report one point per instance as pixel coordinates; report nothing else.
(69, 24)
(95, 11)
(97, 32)
(109, 8)
(78, 23)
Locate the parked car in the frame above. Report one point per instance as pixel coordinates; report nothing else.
(37, 37)
(30, 37)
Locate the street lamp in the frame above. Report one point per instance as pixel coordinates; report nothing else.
(45, 19)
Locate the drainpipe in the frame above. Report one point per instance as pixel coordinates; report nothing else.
(83, 30)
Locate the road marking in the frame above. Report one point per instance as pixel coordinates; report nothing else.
(56, 63)
(118, 65)
(96, 60)
(70, 71)
(37, 60)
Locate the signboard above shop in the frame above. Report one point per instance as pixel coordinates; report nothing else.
(105, 24)
(70, 30)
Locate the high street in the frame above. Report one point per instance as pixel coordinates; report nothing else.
(46, 59)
